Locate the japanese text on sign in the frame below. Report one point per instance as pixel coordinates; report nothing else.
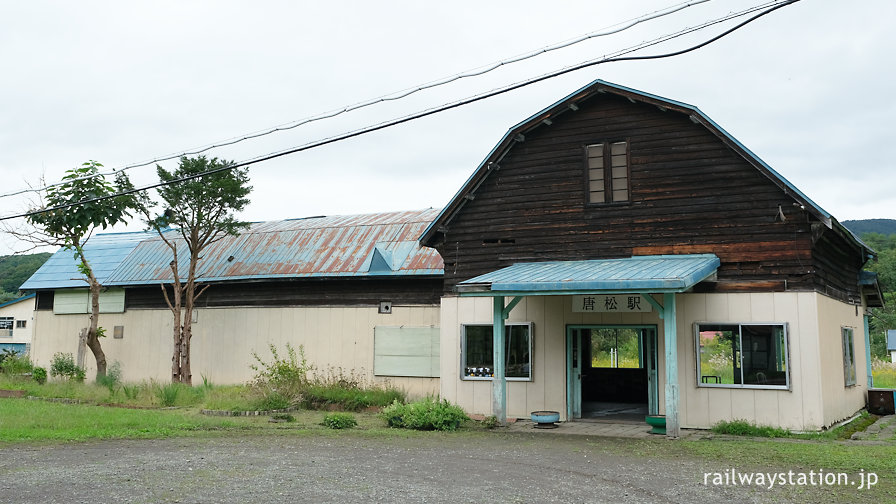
(612, 303)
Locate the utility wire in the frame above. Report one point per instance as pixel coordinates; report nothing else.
(395, 96)
(448, 106)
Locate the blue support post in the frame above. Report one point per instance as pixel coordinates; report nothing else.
(868, 352)
(671, 340)
(499, 382)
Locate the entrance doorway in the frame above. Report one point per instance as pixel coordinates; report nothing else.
(611, 372)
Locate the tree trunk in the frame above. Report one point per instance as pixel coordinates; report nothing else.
(93, 342)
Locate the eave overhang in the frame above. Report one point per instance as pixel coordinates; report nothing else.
(648, 274)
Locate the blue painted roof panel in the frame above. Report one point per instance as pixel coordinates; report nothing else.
(320, 247)
(104, 252)
(667, 273)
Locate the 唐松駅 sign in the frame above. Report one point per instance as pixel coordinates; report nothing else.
(610, 303)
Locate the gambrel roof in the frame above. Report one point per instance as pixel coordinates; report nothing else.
(570, 104)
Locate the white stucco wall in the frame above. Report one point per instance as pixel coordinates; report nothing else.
(23, 310)
(816, 398)
(334, 338)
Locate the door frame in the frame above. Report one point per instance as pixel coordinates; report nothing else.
(647, 347)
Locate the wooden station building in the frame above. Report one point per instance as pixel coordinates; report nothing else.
(616, 252)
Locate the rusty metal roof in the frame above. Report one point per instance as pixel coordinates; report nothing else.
(370, 245)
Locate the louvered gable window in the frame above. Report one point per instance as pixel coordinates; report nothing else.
(607, 165)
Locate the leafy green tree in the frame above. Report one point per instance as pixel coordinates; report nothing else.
(95, 202)
(202, 211)
(884, 318)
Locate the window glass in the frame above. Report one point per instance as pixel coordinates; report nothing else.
(478, 355)
(849, 358)
(615, 348)
(742, 355)
(6, 326)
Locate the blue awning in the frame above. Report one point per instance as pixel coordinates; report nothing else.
(656, 274)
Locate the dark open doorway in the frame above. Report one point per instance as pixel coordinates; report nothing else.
(613, 371)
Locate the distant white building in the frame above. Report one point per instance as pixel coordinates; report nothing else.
(16, 320)
(891, 344)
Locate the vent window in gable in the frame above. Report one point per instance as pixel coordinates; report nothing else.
(607, 172)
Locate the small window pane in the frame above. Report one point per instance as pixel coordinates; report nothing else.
(598, 197)
(742, 355)
(618, 148)
(718, 354)
(479, 356)
(763, 355)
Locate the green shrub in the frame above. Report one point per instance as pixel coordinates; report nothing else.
(490, 422)
(130, 391)
(339, 420)
(286, 377)
(318, 396)
(425, 414)
(14, 363)
(745, 428)
(64, 365)
(39, 375)
(167, 394)
(272, 401)
(112, 378)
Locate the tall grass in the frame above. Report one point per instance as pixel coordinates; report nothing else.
(884, 373)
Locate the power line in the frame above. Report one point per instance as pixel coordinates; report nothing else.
(395, 96)
(452, 105)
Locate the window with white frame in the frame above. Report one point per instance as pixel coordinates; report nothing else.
(477, 359)
(849, 356)
(20, 324)
(742, 355)
(6, 327)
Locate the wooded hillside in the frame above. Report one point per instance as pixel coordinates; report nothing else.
(882, 226)
(15, 269)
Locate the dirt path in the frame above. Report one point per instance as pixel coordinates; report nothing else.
(467, 468)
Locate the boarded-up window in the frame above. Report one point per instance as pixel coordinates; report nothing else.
(607, 172)
(67, 301)
(406, 351)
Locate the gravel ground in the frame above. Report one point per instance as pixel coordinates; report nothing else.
(474, 468)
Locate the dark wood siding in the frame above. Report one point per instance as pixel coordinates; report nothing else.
(335, 292)
(690, 193)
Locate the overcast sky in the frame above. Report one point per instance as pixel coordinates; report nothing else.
(808, 88)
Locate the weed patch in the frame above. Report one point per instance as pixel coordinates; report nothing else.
(425, 414)
(339, 420)
(745, 428)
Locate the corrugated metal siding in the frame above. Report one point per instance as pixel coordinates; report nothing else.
(104, 252)
(636, 273)
(336, 246)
